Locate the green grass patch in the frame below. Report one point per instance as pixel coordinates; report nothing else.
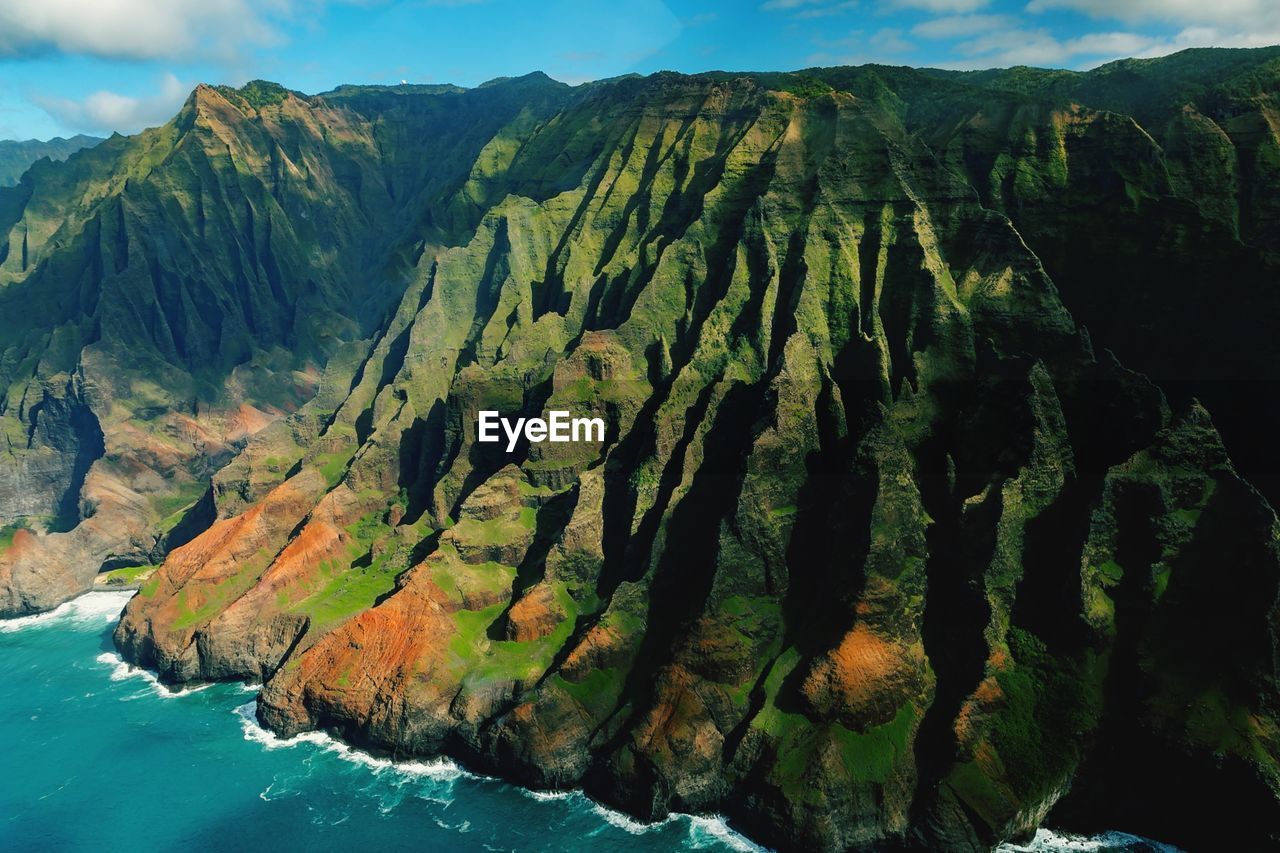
(127, 576)
(485, 580)
(172, 508)
(871, 756)
(483, 659)
(598, 692)
(333, 465)
(186, 496)
(529, 490)
(1112, 571)
(497, 531)
(349, 593)
(1160, 575)
(977, 791)
(352, 589)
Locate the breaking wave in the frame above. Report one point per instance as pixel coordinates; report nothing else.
(703, 830)
(1048, 841)
(122, 670)
(440, 769)
(90, 609)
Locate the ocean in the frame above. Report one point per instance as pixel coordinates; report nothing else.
(99, 756)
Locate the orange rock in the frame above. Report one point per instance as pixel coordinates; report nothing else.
(535, 615)
(600, 648)
(865, 678)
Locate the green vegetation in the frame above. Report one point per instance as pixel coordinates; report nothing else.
(497, 531)
(16, 157)
(255, 94)
(127, 576)
(172, 508)
(867, 757)
(484, 580)
(483, 659)
(333, 465)
(598, 692)
(214, 598)
(354, 587)
(1048, 701)
(807, 87)
(873, 755)
(8, 532)
(1112, 571)
(349, 593)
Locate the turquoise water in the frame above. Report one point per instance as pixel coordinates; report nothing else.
(97, 756)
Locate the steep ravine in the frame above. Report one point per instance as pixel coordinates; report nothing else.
(878, 550)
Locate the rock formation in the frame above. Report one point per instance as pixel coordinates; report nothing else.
(883, 547)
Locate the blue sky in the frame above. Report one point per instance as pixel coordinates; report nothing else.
(98, 66)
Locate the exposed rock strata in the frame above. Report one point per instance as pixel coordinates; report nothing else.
(878, 549)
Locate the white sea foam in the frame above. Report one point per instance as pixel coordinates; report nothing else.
(441, 769)
(704, 830)
(547, 796)
(92, 608)
(626, 822)
(122, 670)
(714, 828)
(1048, 841)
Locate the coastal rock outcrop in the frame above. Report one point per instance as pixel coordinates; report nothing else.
(882, 548)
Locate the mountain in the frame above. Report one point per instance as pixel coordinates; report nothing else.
(16, 157)
(885, 545)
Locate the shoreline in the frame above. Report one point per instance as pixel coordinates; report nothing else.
(254, 730)
(1046, 839)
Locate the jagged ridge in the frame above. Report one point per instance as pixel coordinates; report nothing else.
(876, 551)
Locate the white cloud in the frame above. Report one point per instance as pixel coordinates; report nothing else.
(1213, 37)
(105, 111)
(943, 7)
(1205, 23)
(885, 45)
(890, 40)
(959, 26)
(1230, 12)
(808, 9)
(135, 29)
(827, 11)
(1001, 48)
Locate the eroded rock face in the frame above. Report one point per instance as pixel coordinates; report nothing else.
(165, 297)
(877, 551)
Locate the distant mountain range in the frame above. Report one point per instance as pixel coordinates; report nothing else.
(915, 522)
(16, 157)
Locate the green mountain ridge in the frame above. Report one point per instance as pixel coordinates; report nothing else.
(17, 156)
(883, 548)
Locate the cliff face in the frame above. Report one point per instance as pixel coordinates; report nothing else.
(878, 549)
(163, 297)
